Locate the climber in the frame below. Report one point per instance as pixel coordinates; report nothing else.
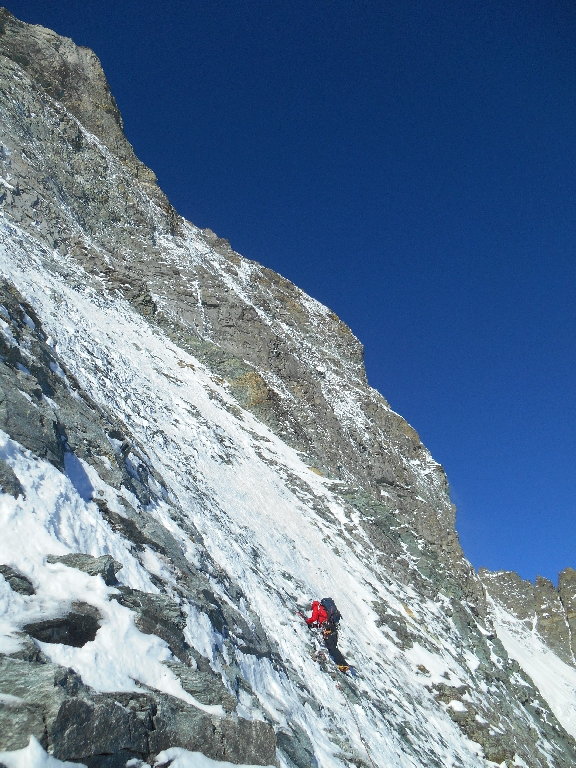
(326, 617)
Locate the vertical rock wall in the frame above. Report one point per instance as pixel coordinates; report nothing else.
(567, 590)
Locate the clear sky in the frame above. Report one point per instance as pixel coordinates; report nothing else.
(411, 164)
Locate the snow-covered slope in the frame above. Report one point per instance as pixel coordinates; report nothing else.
(198, 425)
(252, 499)
(274, 527)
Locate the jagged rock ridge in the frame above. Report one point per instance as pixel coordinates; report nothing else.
(549, 611)
(172, 408)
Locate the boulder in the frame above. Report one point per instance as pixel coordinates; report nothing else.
(17, 581)
(77, 628)
(104, 566)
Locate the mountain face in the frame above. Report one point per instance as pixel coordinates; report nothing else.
(189, 454)
(549, 611)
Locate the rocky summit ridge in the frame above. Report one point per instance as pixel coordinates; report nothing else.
(190, 452)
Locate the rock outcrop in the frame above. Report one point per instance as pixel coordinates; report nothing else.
(567, 592)
(76, 724)
(548, 611)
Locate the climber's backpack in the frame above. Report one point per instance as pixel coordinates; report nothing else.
(333, 613)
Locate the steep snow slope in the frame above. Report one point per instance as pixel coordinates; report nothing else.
(252, 498)
(199, 419)
(275, 527)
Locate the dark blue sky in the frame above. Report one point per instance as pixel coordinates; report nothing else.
(411, 164)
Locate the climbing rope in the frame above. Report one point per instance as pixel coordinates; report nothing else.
(357, 726)
(321, 653)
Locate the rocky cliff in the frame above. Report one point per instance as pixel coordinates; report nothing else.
(190, 452)
(548, 611)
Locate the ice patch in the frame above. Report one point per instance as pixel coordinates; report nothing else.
(7, 333)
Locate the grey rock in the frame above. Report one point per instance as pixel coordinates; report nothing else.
(230, 739)
(9, 483)
(143, 530)
(18, 721)
(204, 685)
(99, 730)
(551, 619)
(567, 590)
(499, 733)
(294, 743)
(513, 592)
(101, 726)
(104, 729)
(73, 76)
(117, 760)
(28, 421)
(28, 650)
(396, 623)
(17, 581)
(45, 685)
(157, 615)
(76, 629)
(104, 566)
(242, 740)
(541, 605)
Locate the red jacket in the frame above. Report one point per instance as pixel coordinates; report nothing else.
(318, 614)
